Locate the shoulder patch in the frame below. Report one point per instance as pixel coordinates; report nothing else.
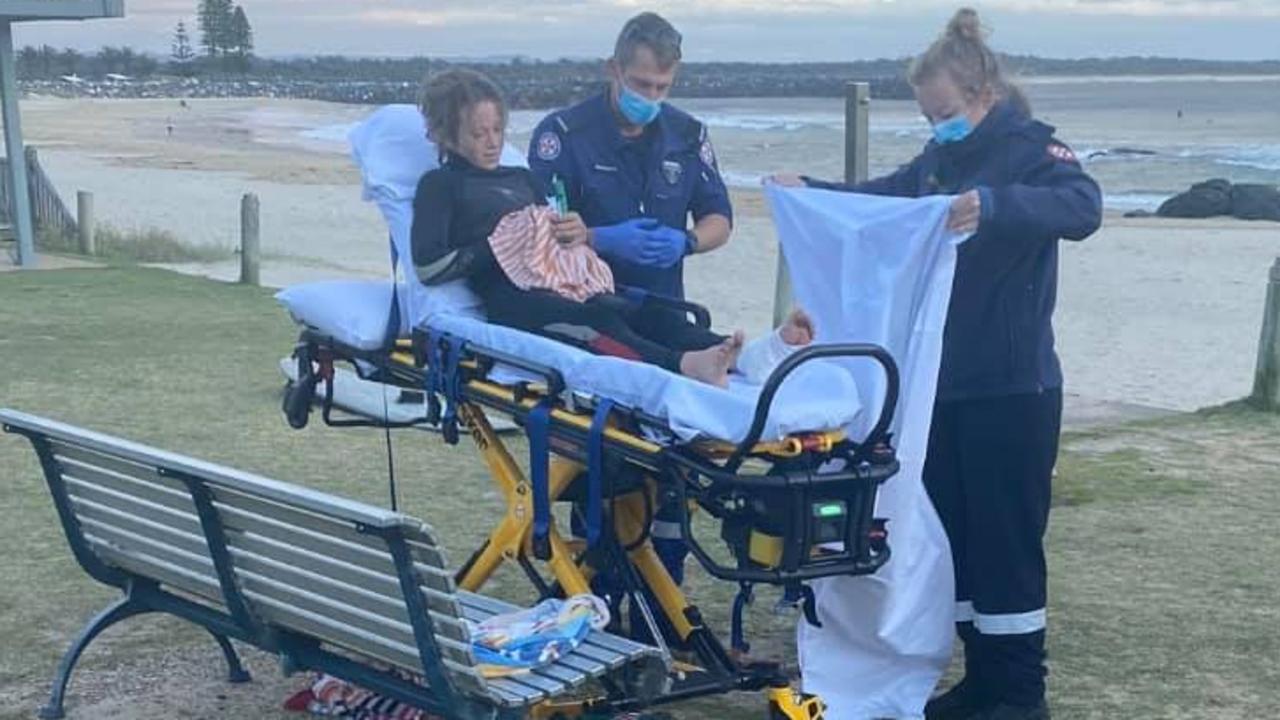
(708, 154)
(1058, 151)
(549, 145)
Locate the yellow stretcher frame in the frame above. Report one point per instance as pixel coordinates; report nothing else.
(512, 539)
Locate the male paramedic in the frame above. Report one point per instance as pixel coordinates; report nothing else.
(634, 170)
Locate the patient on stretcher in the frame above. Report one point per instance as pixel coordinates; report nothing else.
(491, 225)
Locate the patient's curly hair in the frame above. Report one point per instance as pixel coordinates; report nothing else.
(446, 97)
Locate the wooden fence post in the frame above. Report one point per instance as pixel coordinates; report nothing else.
(84, 222)
(249, 256)
(1266, 381)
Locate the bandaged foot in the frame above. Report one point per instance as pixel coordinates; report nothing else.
(761, 356)
(798, 329)
(713, 364)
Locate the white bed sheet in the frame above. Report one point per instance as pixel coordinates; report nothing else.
(818, 395)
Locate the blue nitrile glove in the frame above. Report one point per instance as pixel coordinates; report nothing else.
(624, 241)
(665, 246)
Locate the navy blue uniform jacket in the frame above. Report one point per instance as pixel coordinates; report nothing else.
(667, 173)
(999, 333)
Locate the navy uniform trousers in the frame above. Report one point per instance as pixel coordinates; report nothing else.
(988, 472)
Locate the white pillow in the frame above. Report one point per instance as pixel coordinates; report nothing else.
(353, 312)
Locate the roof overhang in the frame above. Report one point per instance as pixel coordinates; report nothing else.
(22, 10)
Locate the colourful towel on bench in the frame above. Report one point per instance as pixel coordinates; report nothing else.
(536, 636)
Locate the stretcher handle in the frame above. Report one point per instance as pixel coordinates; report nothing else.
(878, 434)
(550, 376)
(639, 296)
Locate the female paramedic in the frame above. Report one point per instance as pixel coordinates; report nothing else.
(994, 435)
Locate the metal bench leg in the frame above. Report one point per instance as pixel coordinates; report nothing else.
(235, 670)
(122, 609)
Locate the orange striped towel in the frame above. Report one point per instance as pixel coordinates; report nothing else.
(531, 258)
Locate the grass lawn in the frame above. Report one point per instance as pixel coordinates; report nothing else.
(1165, 590)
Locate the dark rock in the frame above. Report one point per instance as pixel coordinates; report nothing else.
(1255, 202)
(1206, 199)
(1139, 214)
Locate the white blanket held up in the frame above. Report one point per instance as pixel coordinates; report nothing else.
(879, 270)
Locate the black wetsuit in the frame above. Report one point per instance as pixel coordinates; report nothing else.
(457, 207)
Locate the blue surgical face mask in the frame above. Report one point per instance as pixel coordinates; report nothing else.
(953, 130)
(636, 108)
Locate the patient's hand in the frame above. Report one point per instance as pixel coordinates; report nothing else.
(570, 230)
(786, 180)
(798, 329)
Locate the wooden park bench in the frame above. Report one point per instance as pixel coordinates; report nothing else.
(328, 584)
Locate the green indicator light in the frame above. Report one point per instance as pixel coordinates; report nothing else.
(828, 510)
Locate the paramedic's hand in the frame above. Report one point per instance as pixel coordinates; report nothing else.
(624, 241)
(966, 211)
(786, 180)
(569, 230)
(664, 246)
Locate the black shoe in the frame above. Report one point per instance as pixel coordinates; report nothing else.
(1015, 712)
(964, 701)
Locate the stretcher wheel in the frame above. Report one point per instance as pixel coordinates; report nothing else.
(297, 401)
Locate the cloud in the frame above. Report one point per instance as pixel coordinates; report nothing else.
(771, 30)
(1146, 8)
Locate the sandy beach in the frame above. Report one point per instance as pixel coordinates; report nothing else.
(1152, 312)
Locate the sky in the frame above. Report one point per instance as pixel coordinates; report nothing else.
(720, 30)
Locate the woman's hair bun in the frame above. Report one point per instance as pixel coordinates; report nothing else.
(965, 25)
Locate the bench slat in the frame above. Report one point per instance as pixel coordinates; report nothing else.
(214, 474)
(104, 496)
(161, 538)
(146, 565)
(342, 547)
(146, 472)
(584, 659)
(399, 655)
(152, 488)
(356, 618)
(423, 543)
(355, 595)
(290, 617)
(503, 688)
(282, 513)
(498, 691)
(563, 674)
(381, 583)
(538, 683)
(429, 555)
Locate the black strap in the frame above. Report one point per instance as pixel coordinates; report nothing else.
(431, 379)
(595, 471)
(538, 426)
(452, 386)
(737, 636)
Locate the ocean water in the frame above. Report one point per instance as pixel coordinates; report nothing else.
(1144, 139)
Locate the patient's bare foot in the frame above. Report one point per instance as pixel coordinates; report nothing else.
(712, 365)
